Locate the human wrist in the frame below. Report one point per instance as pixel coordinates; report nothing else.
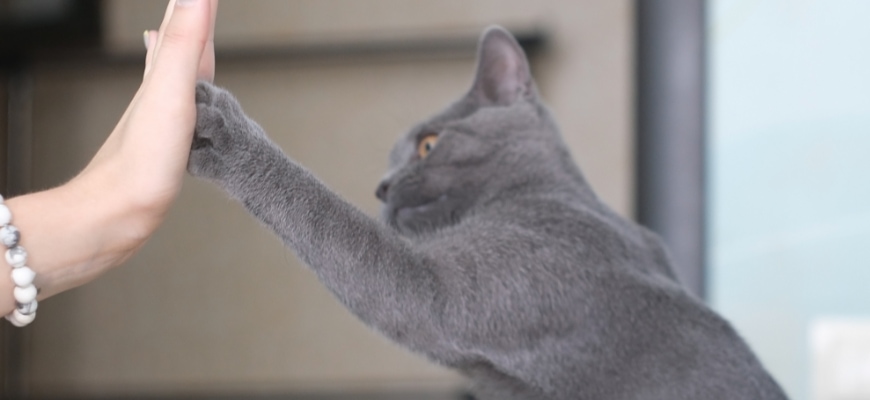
(20, 277)
(75, 232)
(7, 287)
(24, 292)
(132, 207)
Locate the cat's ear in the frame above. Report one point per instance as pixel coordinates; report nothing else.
(503, 73)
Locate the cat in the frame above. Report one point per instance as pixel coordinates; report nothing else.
(494, 256)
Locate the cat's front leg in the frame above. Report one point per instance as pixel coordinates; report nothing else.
(379, 276)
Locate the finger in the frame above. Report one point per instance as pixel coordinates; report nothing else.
(167, 16)
(150, 38)
(180, 48)
(150, 44)
(207, 63)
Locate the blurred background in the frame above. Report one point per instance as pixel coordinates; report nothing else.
(735, 128)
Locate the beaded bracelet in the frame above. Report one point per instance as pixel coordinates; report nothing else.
(22, 276)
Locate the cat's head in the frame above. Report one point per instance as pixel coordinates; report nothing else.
(497, 138)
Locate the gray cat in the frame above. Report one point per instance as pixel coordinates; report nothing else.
(494, 256)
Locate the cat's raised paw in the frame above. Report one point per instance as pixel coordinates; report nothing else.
(219, 135)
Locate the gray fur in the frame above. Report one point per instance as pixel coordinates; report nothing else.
(495, 257)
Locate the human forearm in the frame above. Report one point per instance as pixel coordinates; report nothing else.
(73, 233)
(76, 231)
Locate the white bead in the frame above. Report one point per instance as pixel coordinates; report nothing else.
(25, 294)
(16, 256)
(28, 308)
(5, 215)
(20, 318)
(23, 276)
(9, 236)
(11, 318)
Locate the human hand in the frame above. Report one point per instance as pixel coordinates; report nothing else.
(146, 154)
(74, 232)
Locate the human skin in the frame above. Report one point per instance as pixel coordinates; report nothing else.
(75, 232)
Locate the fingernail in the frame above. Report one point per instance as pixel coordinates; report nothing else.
(145, 36)
(185, 3)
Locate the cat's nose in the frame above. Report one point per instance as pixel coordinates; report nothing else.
(381, 191)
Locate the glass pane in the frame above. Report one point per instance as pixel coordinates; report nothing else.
(789, 159)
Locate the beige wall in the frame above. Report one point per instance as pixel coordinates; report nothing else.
(214, 302)
(282, 23)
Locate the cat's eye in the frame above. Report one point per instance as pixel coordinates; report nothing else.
(426, 145)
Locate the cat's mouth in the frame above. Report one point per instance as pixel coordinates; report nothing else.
(408, 212)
